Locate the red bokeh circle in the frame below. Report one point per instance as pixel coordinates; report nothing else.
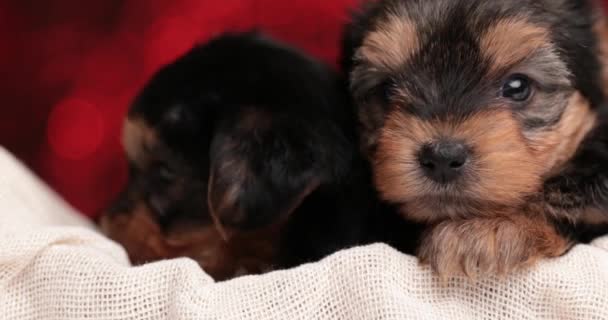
(75, 129)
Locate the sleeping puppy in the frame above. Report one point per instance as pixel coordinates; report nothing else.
(485, 122)
(243, 156)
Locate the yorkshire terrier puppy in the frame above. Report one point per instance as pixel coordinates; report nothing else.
(243, 156)
(485, 122)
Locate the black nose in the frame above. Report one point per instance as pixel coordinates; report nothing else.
(444, 160)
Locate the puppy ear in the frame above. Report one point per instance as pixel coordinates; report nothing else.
(257, 181)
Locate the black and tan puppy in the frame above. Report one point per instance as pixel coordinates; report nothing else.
(243, 157)
(485, 121)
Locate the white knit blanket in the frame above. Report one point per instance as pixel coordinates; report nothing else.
(54, 265)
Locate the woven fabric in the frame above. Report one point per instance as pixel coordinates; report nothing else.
(54, 265)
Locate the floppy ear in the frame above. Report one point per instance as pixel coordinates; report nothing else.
(256, 181)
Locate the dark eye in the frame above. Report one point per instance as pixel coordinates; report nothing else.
(387, 90)
(517, 87)
(383, 92)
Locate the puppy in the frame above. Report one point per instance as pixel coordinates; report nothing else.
(485, 121)
(243, 156)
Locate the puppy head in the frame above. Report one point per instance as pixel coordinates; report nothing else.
(238, 131)
(466, 106)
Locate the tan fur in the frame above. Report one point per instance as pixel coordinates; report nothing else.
(395, 159)
(496, 246)
(555, 147)
(246, 252)
(137, 232)
(391, 44)
(511, 232)
(500, 150)
(511, 41)
(136, 135)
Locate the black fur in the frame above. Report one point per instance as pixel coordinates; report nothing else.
(583, 184)
(198, 107)
(570, 22)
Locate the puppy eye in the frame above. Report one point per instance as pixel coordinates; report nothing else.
(385, 91)
(517, 87)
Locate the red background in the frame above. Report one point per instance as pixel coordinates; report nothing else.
(69, 69)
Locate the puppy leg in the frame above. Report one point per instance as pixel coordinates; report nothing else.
(571, 202)
(482, 246)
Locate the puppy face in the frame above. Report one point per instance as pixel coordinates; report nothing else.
(467, 106)
(212, 137)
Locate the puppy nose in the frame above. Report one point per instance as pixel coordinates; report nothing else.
(444, 160)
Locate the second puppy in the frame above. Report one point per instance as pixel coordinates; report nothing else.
(243, 157)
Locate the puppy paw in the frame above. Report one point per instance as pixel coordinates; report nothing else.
(488, 246)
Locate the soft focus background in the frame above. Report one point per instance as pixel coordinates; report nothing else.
(69, 69)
